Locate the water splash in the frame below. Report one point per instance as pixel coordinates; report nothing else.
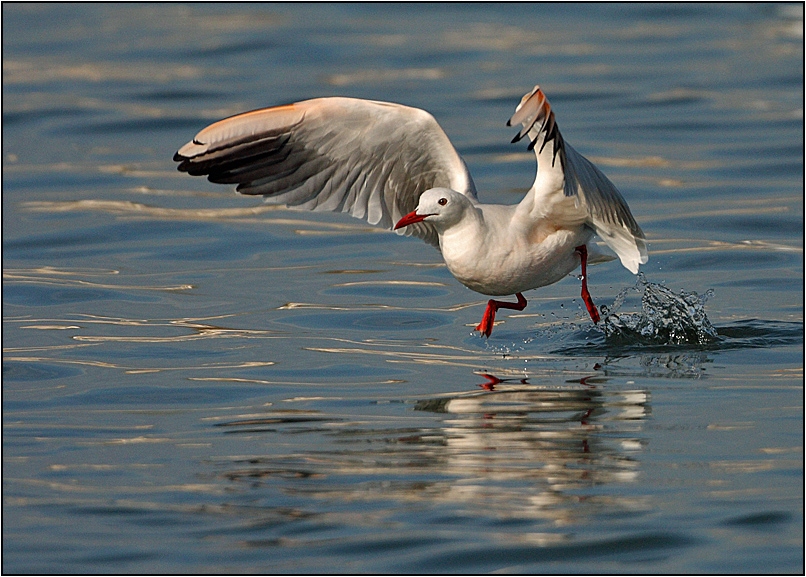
(666, 318)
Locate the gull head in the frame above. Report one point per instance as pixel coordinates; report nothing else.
(441, 207)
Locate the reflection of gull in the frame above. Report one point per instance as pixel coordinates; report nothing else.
(559, 440)
(388, 164)
(557, 453)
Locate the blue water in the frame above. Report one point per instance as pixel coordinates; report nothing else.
(195, 382)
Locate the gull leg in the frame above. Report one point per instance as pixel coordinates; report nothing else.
(586, 296)
(485, 327)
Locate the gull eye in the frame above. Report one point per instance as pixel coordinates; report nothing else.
(442, 201)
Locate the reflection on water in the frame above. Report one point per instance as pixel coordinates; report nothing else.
(519, 452)
(684, 365)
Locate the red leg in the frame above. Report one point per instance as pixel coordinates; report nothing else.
(586, 296)
(485, 327)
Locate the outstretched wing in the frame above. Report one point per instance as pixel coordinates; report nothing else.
(370, 159)
(563, 174)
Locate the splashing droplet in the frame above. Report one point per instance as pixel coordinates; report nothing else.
(666, 318)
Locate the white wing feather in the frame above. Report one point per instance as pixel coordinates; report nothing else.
(370, 159)
(564, 175)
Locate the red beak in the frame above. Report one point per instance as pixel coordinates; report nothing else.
(411, 218)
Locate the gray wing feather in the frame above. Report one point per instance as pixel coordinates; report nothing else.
(602, 197)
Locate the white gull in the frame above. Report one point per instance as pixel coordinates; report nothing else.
(393, 166)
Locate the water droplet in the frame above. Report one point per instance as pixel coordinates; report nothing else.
(665, 317)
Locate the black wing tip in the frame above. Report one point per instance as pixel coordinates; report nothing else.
(192, 169)
(185, 165)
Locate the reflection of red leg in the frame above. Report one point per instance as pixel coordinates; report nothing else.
(485, 327)
(586, 296)
(492, 380)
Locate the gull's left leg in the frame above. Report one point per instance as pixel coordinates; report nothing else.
(582, 250)
(485, 327)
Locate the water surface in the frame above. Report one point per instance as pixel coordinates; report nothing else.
(196, 382)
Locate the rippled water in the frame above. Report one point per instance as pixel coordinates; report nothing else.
(195, 382)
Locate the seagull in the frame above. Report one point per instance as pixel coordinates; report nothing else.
(393, 166)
